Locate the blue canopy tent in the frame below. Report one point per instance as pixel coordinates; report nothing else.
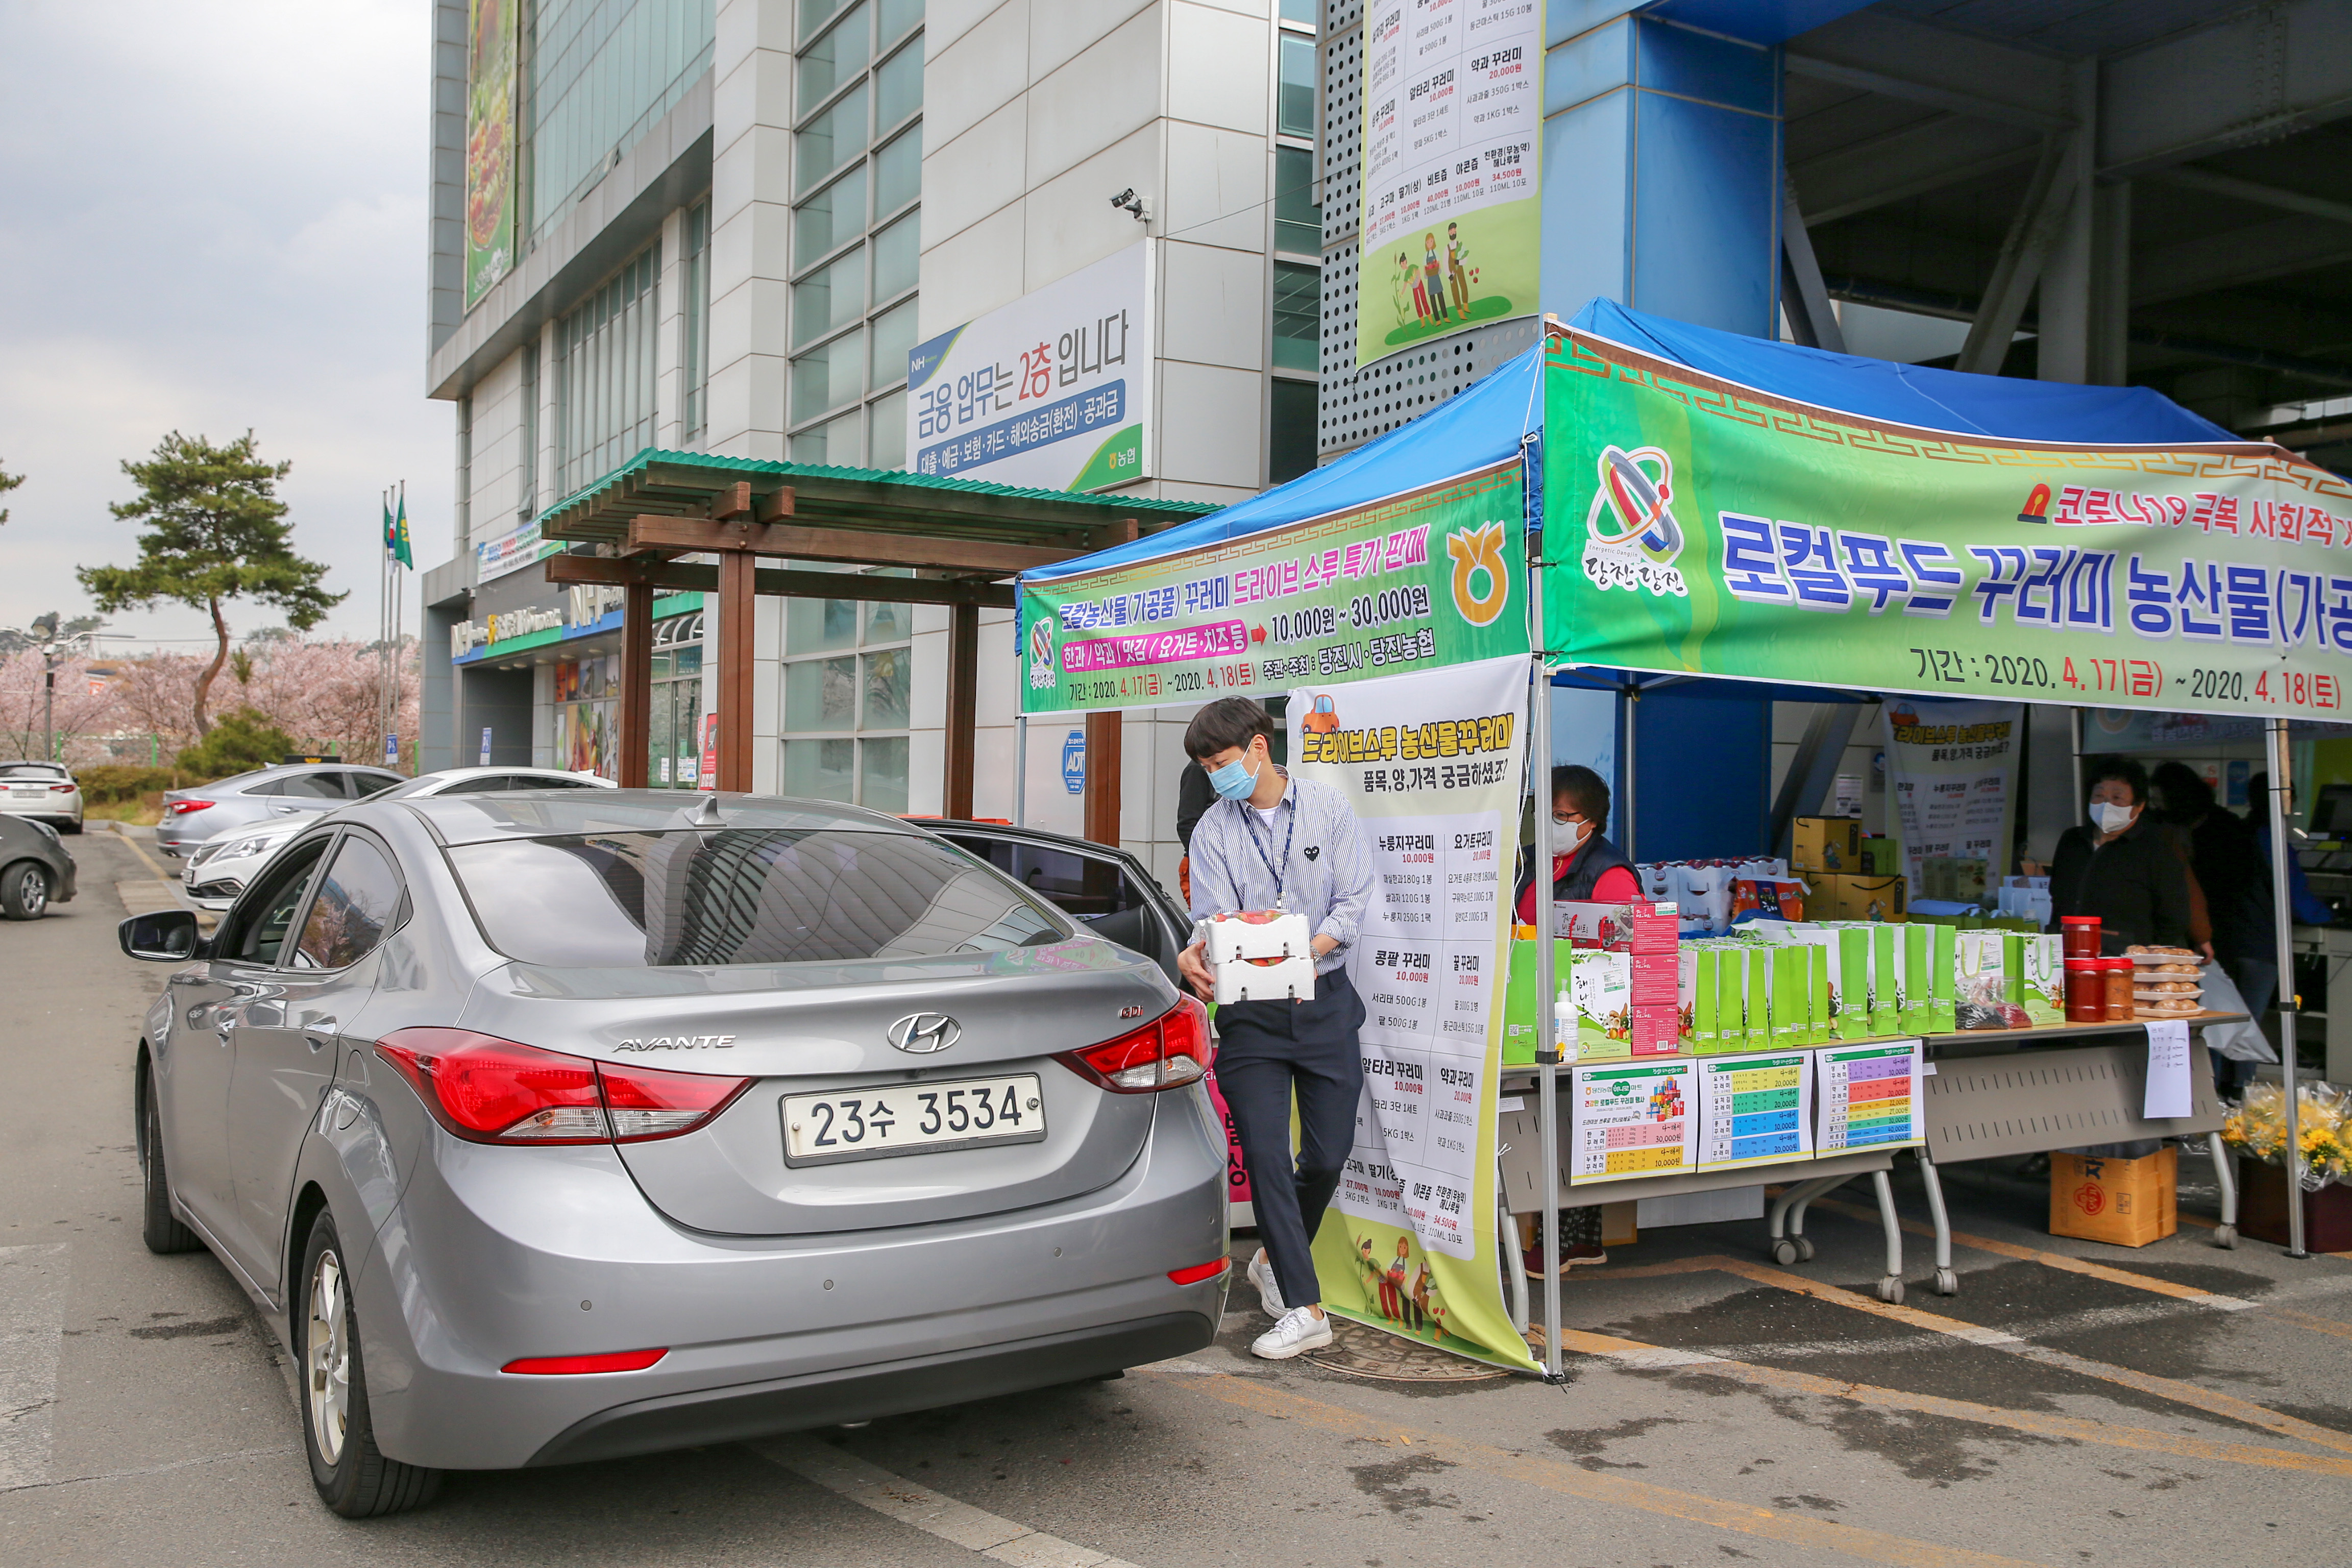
(1701, 748)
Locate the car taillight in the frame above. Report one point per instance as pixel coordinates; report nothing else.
(1200, 1271)
(67, 788)
(1168, 1052)
(488, 1091)
(615, 1361)
(182, 807)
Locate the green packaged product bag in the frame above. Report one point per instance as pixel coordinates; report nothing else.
(1706, 1001)
(1944, 980)
(1885, 983)
(1918, 944)
(1821, 1023)
(1791, 969)
(1854, 983)
(2012, 967)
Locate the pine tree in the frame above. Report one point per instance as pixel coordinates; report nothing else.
(217, 531)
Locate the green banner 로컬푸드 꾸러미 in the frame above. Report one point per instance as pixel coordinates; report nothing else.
(1434, 577)
(1703, 527)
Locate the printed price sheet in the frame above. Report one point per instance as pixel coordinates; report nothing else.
(1755, 1110)
(1633, 1119)
(1869, 1096)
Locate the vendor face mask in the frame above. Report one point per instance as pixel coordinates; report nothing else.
(1233, 782)
(2110, 819)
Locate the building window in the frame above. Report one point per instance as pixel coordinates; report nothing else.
(1290, 438)
(598, 75)
(847, 691)
(1303, 12)
(857, 234)
(1297, 316)
(1297, 217)
(604, 374)
(1294, 112)
(695, 350)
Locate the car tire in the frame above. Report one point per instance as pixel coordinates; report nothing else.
(353, 1475)
(24, 890)
(162, 1229)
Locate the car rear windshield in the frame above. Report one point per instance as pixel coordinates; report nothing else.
(32, 770)
(730, 896)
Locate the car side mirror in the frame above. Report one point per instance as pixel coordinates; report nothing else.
(162, 936)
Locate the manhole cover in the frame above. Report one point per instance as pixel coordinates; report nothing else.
(1368, 1352)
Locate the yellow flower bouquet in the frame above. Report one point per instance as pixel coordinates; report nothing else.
(2323, 1131)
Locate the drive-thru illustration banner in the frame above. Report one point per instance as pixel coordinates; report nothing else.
(1708, 528)
(1431, 761)
(1433, 577)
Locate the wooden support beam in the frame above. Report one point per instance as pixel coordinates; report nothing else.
(678, 576)
(637, 717)
(1102, 778)
(734, 501)
(963, 708)
(734, 704)
(844, 544)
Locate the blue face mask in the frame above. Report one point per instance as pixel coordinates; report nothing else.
(1233, 782)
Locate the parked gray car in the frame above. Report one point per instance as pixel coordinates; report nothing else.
(566, 1125)
(193, 816)
(36, 871)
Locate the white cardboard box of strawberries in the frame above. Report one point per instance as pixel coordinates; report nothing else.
(1260, 956)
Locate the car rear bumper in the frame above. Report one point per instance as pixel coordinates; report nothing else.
(495, 1254)
(861, 1394)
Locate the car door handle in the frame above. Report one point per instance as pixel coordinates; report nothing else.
(319, 1032)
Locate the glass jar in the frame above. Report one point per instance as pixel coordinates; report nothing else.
(2080, 935)
(2117, 974)
(2087, 991)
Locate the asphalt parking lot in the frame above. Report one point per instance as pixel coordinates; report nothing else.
(2073, 1404)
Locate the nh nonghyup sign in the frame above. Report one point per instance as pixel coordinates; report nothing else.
(1052, 392)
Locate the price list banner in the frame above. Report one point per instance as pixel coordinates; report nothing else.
(1706, 528)
(1413, 582)
(1869, 1097)
(1452, 114)
(1432, 763)
(1628, 1119)
(1754, 1111)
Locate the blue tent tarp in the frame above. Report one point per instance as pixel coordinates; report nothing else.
(1485, 423)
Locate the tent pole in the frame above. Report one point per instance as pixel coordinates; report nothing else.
(1633, 701)
(1020, 769)
(2282, 907)
(1548, 1042)
(2075, 727)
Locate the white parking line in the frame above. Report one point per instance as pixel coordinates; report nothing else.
(975, 1529)
(32, 1326)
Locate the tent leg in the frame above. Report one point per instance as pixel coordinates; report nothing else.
(2281, 781)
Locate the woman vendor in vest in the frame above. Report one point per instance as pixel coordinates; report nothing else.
(1585, 866)
(1589, 869)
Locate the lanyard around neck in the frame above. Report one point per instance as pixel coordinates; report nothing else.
(1276, 872)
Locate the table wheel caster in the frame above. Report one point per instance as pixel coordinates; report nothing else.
(1890, 1290)
(1947, 1283)
(2225, 1235)
(1804, 1248)
(1784, 1251)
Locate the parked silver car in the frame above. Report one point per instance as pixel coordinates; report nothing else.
(192, 816)
(47, 791)
(220, 868)
(560, 1126)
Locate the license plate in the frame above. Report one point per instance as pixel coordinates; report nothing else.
(912, 1118)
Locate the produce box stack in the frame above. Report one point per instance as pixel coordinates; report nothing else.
(1657, 985)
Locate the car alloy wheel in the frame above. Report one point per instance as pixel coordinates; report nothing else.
(24, 890)
(327, 1357)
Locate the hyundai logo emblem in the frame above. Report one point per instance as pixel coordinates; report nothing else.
(921, 1034)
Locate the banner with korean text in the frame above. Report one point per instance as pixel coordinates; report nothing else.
(1431, 761)
(1704, 527)
(1434, 576)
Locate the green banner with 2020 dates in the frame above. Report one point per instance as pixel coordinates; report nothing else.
(1435, 576)
(1704, 527)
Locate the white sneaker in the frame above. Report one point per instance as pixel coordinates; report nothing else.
(1299, 1330)
(1269, 1288)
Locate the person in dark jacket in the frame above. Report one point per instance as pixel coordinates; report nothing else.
(2120, 868)
(1585, 866)
(2236, 878)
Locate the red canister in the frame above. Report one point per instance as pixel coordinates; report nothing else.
(2086, 991)
(2081, 934)
(2115, 978)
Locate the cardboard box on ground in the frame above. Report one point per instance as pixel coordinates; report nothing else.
(2124, 1203)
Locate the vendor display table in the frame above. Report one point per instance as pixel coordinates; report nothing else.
(1986, 1094)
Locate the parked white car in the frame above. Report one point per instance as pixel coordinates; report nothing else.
(47, 791)
(220, 868)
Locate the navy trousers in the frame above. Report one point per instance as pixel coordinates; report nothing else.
(1266, 1052)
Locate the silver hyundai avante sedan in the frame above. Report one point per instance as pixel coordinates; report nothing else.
(569, 1125)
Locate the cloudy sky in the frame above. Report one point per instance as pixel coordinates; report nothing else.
(213, 220)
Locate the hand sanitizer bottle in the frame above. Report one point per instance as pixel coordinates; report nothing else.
(1563, 1014)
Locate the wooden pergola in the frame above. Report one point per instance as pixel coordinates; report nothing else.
(960, 537)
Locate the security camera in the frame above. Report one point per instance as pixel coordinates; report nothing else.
(1127, 201)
